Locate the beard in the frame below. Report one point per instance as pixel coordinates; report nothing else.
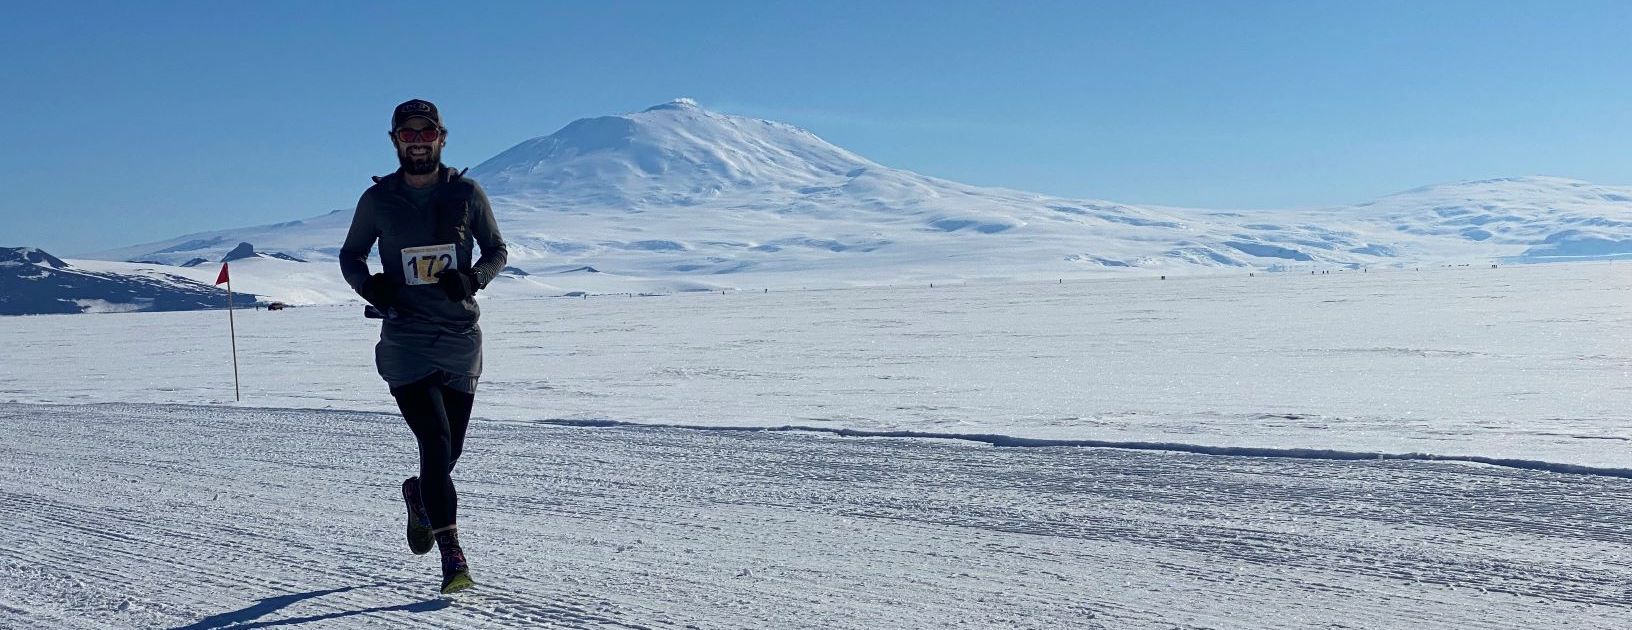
(419, 165)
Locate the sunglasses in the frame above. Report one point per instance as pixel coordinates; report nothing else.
(407, 135)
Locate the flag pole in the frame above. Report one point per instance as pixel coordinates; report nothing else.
(233, 331)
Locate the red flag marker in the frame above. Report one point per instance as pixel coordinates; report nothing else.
(223, 277)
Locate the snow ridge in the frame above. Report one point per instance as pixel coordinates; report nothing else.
(1009, 441)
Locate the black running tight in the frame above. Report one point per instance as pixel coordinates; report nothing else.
(439, 416)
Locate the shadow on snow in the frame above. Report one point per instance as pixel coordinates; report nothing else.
(246, 618)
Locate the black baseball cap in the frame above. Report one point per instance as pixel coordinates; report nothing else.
(415, 108)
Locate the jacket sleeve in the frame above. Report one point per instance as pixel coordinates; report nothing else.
(359, 240)
(486, 232)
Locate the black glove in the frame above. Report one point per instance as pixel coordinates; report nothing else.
(380, 290)
(459, 284)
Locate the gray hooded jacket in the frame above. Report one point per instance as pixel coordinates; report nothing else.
(431, 333)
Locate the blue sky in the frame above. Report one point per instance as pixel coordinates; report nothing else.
(132, 122)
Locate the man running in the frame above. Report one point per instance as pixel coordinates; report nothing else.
(426, 218)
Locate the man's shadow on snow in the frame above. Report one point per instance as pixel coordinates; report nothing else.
(245, 618)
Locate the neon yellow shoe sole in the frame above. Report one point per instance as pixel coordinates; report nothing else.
(460, 581)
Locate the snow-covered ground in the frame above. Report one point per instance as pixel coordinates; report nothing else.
(142, 496)
(1526, 362)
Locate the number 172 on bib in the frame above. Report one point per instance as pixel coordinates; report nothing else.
(421, 264)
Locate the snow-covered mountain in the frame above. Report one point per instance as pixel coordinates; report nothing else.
(1546, 218)
(678, 197)
(675, 154)
(33, 282)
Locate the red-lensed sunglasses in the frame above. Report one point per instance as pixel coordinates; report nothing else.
(407, 135)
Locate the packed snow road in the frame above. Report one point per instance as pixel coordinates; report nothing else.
(166, 516)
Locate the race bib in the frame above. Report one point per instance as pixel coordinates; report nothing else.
(421, 264)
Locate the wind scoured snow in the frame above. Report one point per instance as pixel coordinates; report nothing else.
(104, 306)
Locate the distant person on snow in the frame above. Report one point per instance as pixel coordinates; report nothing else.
(426, 218)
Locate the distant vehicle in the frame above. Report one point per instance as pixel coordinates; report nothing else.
(276, 306)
